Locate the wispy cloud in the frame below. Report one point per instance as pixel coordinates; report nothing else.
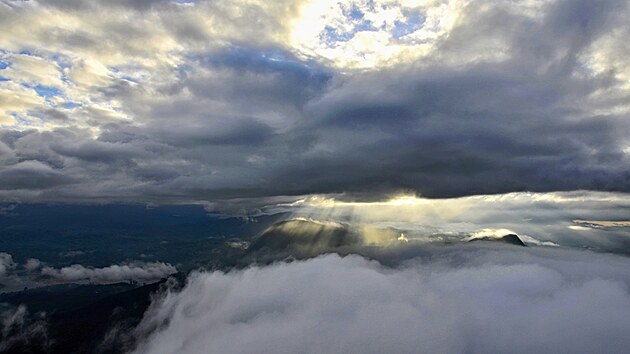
(602, 223)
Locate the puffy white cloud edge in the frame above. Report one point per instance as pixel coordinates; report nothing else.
(492, 301)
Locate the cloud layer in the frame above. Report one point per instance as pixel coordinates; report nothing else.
(159, 101)
(568, 219)
(476, 300)
(35, 273)
(139, 271)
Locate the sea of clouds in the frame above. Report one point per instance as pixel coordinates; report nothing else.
(464, 299)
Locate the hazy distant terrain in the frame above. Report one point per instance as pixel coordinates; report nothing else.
(85, 295)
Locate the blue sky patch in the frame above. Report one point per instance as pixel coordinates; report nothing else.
(354, 13)
(47, 91)
(270, 60)
(411, 24)
(129, 78)
(331, 35)
(70, 105)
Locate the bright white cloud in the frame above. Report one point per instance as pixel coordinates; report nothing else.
(368, 34)
(16, 101)
(520, 302)
(492, 233)
(32, 70)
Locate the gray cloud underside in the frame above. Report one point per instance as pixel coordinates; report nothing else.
(468, 300)
(233, 123)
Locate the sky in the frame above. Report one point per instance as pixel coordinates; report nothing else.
(409, 123)
(214, 101)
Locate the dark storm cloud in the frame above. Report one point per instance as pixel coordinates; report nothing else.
(31, 175)
(242, 121)
(212, 131)
(479, 131)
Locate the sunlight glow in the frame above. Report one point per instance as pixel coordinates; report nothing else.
(411, 218)
(368, 34)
